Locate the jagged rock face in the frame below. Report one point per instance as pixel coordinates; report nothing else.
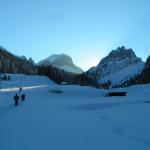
(116, 61)
(61, 61)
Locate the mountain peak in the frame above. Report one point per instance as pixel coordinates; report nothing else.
(57, 57)
(61, 61)
(119, 65)
(121, 53)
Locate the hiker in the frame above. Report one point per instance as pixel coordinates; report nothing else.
(23, 97)
(16, 99)
(20, 89)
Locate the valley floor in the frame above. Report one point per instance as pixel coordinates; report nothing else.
(79, 118)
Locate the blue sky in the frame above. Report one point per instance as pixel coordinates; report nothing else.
(87, 30)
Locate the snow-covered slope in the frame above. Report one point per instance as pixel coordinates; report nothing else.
(120, 65)
(61, 61)
(21, 80)
(125, 74)
(80, 118)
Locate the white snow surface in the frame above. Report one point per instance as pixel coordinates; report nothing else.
(79, 118)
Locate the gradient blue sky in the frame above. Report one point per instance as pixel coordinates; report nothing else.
(87, 30)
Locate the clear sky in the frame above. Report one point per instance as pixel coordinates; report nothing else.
(87, 30)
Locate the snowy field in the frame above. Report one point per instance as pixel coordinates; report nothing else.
(78, 118)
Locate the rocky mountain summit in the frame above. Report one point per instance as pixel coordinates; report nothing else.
(120, 65)
(61, 61)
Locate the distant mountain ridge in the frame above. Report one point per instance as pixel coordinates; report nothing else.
(61, 61)
(120, 65)
(120, 68)
(10, 63)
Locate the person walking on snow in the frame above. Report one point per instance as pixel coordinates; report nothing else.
(20, 89)
(23, 97)
(16, 99)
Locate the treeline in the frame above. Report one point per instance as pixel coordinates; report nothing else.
(10, 63)
(60, 76)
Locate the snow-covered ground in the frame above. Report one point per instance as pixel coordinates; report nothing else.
(79, 118)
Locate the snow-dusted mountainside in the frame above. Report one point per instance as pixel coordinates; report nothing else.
(142, 78)
(119, 66)
(62, 61)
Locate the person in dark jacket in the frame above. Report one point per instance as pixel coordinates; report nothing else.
(23, 96)
(20, 89)
(16, 99)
